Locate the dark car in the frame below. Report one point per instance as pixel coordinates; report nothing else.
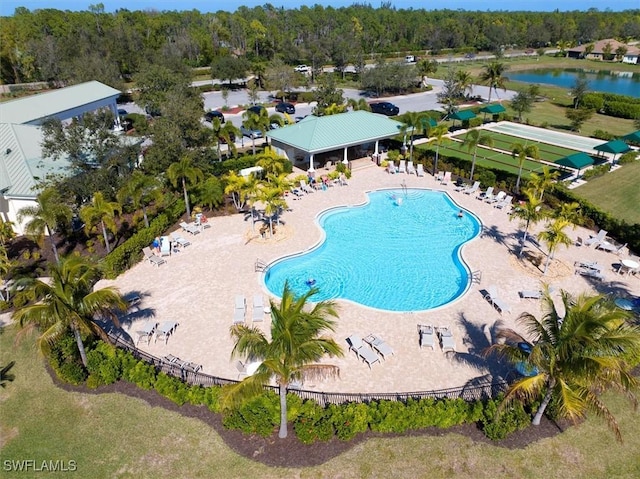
(256, 109)
(210, 115)
(284, 107)
(385, 108)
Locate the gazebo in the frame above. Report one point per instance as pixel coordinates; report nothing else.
(462, 115)
(632, 137)
(494, 109)
(615, 147)
(577, 161)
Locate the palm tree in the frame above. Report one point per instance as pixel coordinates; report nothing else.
(529, 212)
(273, 202)
(253, 121)
(472, 139)
(7, 232)
(465, 82)
(493, 77)
(142, 190)
(413, 122)
(103, 212)
(50, 212)
(521, 152)
(298, 342)
(540, 182)
(224, 134)
(570, 212)
(438, 133)
(359, 104)
(70, 302)
(240, 188)
(576, 354)
(554, 236)
(184, 172)
(271, 162)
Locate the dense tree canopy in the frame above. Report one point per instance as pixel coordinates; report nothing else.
(71, 47)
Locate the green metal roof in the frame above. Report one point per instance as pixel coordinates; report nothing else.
(43, 105)
(493, 109)
(577, 160)
(632, 137)
(22, 164)
(613, 146)
(463, 115)
(317, 134)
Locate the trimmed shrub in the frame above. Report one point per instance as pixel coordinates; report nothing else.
(313, 423)
(172, 388)
(628, 157)
(592, 101)
(498, 426)
(142, 375)
(349, 419)
(64, 359)
(256, 416)
(603, 135)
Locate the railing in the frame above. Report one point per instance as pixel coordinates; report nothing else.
(475, 392)
(260, 266)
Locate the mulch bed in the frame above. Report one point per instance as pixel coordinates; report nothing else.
(289, 452)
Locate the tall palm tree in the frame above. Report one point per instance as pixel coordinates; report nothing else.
(413, 122)
(359, 104)
(540, 182)
(103, 212)
(240, 188)
(273, 202)
(224, 133)
(438, 133)
(465, 82)
(576, 354)
(298, 342)
(529, 213)
(69, 302)
(271, 162)
(554, 236)
(570, 212)
(472, 139)
(50, 212)
(493, 76)
(142, 190)
(184, 172)
(254, 121)
(521, 152)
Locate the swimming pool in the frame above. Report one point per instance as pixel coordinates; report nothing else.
(398, 252)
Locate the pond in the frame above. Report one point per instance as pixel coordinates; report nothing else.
(621, 83)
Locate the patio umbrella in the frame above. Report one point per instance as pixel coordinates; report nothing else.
(462, 115)
(576, 161)
(492, 110)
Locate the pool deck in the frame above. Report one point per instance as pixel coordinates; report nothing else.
(197, 286)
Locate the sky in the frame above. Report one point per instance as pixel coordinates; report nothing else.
(7, 7)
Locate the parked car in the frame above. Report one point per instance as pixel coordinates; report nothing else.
(210, 115)
(255, 109)
(410, 59)
(384, 108)
(302, 69)
(250, 133)
(284, 107)
(470, 55)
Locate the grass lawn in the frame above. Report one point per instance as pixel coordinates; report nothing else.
(617, 192)
(110, 435)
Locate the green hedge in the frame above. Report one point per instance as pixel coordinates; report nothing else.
(620, 106)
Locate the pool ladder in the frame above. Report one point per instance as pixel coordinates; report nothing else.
(260, 266)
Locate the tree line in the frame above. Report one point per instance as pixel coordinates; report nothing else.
(71, 47)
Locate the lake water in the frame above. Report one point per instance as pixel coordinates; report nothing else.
(622, 83)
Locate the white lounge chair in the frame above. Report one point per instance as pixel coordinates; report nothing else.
(497, 198)
(595, 240)
(505, 202)
(593, 265)
(165, 246)
(440, 176)
(610, 247)
(591, 273)
(152, 258)
(391, 167)
(402, 166)
(496, 301)
(446, 178)
(487, 194)
(165, 330)
(447, 340)
(146, 332)
(304, 187)
(379, 345)
(366, 354)
(189, 228)
(239, 309)
(420, 170)
(472, 189)
(411, 170)
(258, 309)
(530, 294)
(180, 240)
(427, 336)
(242, 370)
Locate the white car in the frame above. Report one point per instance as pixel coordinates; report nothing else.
(302, 69)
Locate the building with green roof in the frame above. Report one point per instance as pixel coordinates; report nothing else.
(347, 135)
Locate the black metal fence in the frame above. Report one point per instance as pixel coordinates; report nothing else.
(474, 392)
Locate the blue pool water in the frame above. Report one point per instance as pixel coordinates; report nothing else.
(385, 255)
